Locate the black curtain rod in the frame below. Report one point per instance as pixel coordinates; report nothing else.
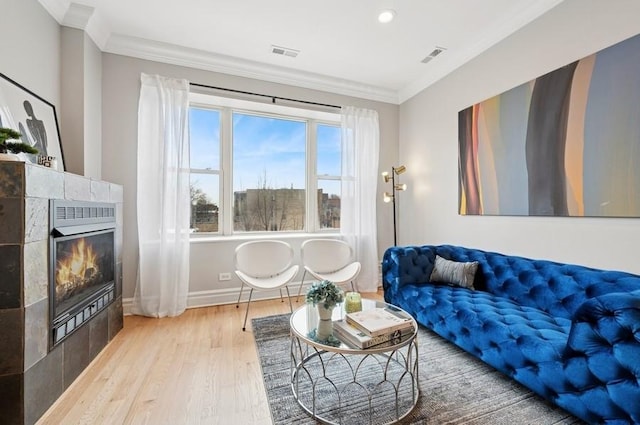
(273, 98)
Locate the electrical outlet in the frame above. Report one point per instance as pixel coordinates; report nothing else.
(224, 276)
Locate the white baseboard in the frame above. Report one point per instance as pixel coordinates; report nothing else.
(226, 296)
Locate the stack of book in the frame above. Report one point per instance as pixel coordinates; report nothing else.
(373, 327)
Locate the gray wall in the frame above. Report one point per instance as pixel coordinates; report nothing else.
(30, 48)
(121, 88)
(81, 103)
(429, 143)
(72, 102)
(34, 49)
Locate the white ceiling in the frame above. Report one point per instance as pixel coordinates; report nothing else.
(343, 48)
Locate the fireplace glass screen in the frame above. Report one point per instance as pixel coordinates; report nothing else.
(84, 264)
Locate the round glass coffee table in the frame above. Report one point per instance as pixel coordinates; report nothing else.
(344, 384)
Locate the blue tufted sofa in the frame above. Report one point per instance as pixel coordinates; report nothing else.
(569, 333)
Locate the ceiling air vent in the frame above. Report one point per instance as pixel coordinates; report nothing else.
(433, 54)
(285, 51)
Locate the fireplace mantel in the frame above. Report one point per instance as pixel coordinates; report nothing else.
(31, 376)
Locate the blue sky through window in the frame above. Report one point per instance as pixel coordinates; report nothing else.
(268, 148)
(329, 148)
(263, 146)
(204, 126)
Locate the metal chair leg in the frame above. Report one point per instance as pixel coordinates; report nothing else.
(281, 299)
(239, 295)
(301, 283)
(289, 297)
(246, 313)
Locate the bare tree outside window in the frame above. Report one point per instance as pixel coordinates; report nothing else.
(204, 212)
(268, 209)
(278, 147)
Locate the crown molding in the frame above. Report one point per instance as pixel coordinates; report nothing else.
(56, 8)
(98, 30)
(194, 58)
(78, 16)
(446, 64)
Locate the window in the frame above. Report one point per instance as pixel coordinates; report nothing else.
(328, 170)
(269, 169)
(263, 168)
(204, 134)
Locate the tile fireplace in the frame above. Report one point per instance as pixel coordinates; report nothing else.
(50, 333)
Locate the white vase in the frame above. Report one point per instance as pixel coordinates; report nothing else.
(325, 325)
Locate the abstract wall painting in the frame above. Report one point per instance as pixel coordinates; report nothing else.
(564, 144)
(35, 119)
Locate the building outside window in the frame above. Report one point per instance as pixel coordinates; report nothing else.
(328, 165)
(263, 168)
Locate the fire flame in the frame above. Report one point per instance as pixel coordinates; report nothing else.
(77, 267)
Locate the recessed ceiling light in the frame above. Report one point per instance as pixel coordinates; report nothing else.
(386, 16)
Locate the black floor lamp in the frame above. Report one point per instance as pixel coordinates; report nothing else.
(391, 197)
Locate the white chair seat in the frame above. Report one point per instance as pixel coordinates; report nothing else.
(339, 276)
(265, 283)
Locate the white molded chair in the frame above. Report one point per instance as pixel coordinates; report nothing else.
(329, 259)
(263, 265)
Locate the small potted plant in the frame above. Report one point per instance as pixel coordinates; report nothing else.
(7, 147)
(325, 295)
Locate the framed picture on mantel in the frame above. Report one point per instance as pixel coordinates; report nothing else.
(35, 119)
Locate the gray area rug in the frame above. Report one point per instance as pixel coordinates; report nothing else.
(455, 387)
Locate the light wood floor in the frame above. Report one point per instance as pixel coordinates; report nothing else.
(197, 368)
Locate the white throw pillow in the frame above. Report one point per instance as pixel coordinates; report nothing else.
(461, 274)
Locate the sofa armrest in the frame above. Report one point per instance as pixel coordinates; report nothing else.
(606, 321)
(603, 351)
(608, 324)
(405, 265)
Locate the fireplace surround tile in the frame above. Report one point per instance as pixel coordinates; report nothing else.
(36, 280)
(119, 238)
(116, 193)
(100, 191)
(36, 329)
(77, 188)
(36, 226)
(11, 338)
(10, 276)
(43, 182)
(98, 333)
(11, 179)
(118, 279)
(76, 354)
(115, 318)
(11, 399)
(10, 214)
(43, 385)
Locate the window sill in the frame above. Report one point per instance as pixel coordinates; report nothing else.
(196, 239)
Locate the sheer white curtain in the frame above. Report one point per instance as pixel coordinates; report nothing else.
(163, 197)
(360, 147)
